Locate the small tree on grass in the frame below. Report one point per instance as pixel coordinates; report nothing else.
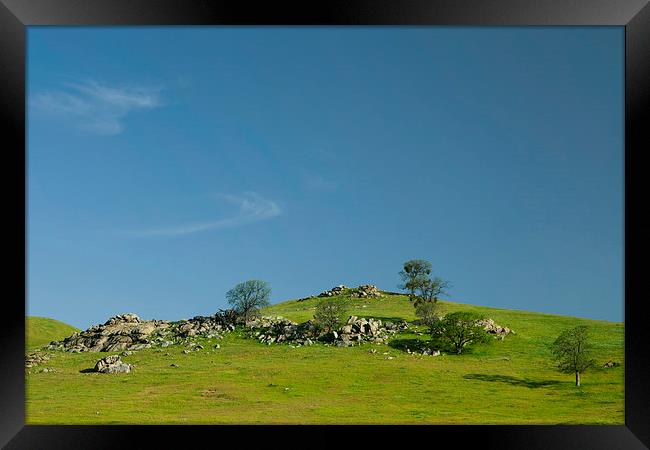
(328, 313)
(572, 350)
(248, 297)
(456, 330)
(427, 311)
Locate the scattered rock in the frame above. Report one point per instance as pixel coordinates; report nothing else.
(493, 328)
(35, 359)
(112, 364)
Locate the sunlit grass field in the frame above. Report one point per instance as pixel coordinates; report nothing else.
(513, 381)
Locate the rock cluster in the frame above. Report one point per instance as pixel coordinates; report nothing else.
(366, 290)
(610, 364)
(363, 291)
(271, 330)
(204, 326)
(361, 329)
(112, 364)
(129, 332)
(493, 328)
(35, 359)
(336, 290)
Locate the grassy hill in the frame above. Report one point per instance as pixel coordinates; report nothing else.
(41, 331)
(513, 381)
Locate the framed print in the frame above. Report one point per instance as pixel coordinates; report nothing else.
(410, 219)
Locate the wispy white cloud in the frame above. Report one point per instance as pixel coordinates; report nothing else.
(317, 182)
(96, 107)
(251, 207)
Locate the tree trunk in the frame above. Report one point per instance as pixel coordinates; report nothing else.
(577, 378)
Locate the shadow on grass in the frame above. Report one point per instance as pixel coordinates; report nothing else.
(413, 344)
(91, 370)
(525, 382)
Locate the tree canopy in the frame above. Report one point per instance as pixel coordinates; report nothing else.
(572, 351)
(414, 274)
(459, 329)
(248, 297)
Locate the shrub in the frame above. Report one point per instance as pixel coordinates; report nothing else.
(328, 313)
(459, 329)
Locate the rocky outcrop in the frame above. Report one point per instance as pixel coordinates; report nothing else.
(269, 330)
(122, 332)
(129, 332)
(491, 327)
(336, 290)
(366, 290)
(204, 326)
(112, 364)
(361, 329)
(363, 291)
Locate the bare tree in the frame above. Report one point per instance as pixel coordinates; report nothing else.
(248, 297)
(429, 290)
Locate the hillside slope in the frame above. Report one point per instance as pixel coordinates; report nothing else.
(41, 330)
(534, 331)
(513, 381)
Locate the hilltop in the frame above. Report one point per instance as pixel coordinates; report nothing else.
(41, 330)
(235, 378)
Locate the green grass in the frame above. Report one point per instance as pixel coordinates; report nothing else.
(41, 331)
(505, 382)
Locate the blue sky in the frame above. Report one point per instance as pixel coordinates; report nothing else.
(165, 165)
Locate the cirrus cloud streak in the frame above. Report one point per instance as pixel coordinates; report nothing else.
(251, 208)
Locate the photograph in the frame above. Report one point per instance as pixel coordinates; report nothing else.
(325, 225)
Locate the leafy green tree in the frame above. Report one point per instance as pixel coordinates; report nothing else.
(459, 329)
(572, 351)
(248, 297)
(414, 274)
(328, 313)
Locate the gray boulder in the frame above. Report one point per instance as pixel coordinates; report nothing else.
(112, 364)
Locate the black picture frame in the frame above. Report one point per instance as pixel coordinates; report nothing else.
(16, 15)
